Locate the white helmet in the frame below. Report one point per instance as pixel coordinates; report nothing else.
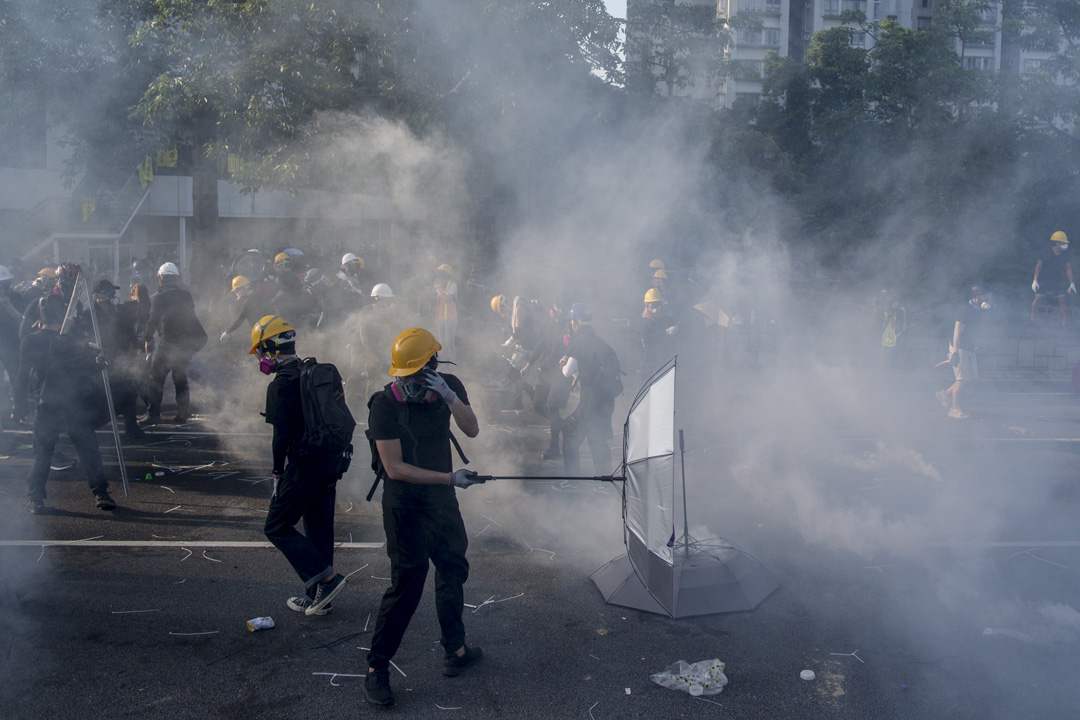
(168, 269)
(351, 257)
(5, 274)
(382, 290)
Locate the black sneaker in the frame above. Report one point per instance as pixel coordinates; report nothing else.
(37, 507)
(133, 431)
(149, 420)
(300, 603)
(551, 454)
(104, 502)
(454, 664)
(326, 593)
(180, 419)
(377, 687)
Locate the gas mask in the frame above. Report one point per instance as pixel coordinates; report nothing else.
(651, 310)
(267, 365)
(410, 389)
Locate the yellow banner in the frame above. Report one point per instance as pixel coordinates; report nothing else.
(88, 207)
(146, 172)
(167, 158)
(235, 163)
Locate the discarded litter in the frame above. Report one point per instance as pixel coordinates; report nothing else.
(701, 678)
(807, 675)
(260, 623)
(159, 473)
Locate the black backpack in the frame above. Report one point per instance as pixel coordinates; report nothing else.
(402, 410)
(326, 446)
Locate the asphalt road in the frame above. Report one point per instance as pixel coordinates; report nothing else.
(928, 569)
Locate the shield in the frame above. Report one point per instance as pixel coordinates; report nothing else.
(677, 577)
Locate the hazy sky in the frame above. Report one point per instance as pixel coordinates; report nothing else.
(617, 8)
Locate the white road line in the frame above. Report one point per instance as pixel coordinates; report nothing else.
(171, 544)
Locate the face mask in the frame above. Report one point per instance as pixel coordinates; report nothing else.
(267, 365)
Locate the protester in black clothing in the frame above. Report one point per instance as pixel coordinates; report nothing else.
(172, 317)
(1051, 271)
(117, 330)
(553, 389)
(420, 510)
(10, 317)
(299, 494)
(254, 303)
(598, 372)
(67, 375)
(63, 285)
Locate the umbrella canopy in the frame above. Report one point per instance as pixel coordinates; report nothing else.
(659, 574)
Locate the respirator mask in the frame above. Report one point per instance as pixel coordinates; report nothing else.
(271, 349)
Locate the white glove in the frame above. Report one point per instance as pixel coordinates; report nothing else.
(466, 478)
(225, 336)
(1072, 288)
(673, 330)
(1035, 286)
(434, 382)
(569, 367)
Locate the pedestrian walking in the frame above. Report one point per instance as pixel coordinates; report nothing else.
(963, 349)
(303, 489)
(409, 423)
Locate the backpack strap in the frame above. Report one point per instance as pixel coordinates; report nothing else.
(402, 410)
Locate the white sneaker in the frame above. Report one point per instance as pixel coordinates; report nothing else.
(940, 395)
(957, 413)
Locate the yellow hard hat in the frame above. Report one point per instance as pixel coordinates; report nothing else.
(657, 264)
(411, 352)
(1059, 237)
(268, 327)
(239, 281)
(282, 256)
(48, 272)
(653, 295)
(446, 269)
(497, 303)
(660, 274)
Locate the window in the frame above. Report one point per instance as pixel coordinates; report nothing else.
(772, 37)
(749, 69)
(859, 5)
(979, 63)
(988, 15)
(831, 7)
(922, 23)
(858, 39)
(748, 36)
(1032, 67)
(926, 4)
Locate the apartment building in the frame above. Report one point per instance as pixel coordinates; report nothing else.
(786, 26)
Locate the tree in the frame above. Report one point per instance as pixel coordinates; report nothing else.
(672, 45)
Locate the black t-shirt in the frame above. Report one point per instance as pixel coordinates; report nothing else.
(285, 411)
(1052, 273)
(426, 444)
(971, 317)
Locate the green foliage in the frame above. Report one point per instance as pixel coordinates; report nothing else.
(672, 46)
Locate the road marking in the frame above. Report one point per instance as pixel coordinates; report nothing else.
(170, 544)
(1011, 544)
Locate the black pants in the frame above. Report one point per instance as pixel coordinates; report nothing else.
(9, 357)
(591, 420)
(413, 537)
(169, 359)
(298, 498)
(48, 424)
(549, 398)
